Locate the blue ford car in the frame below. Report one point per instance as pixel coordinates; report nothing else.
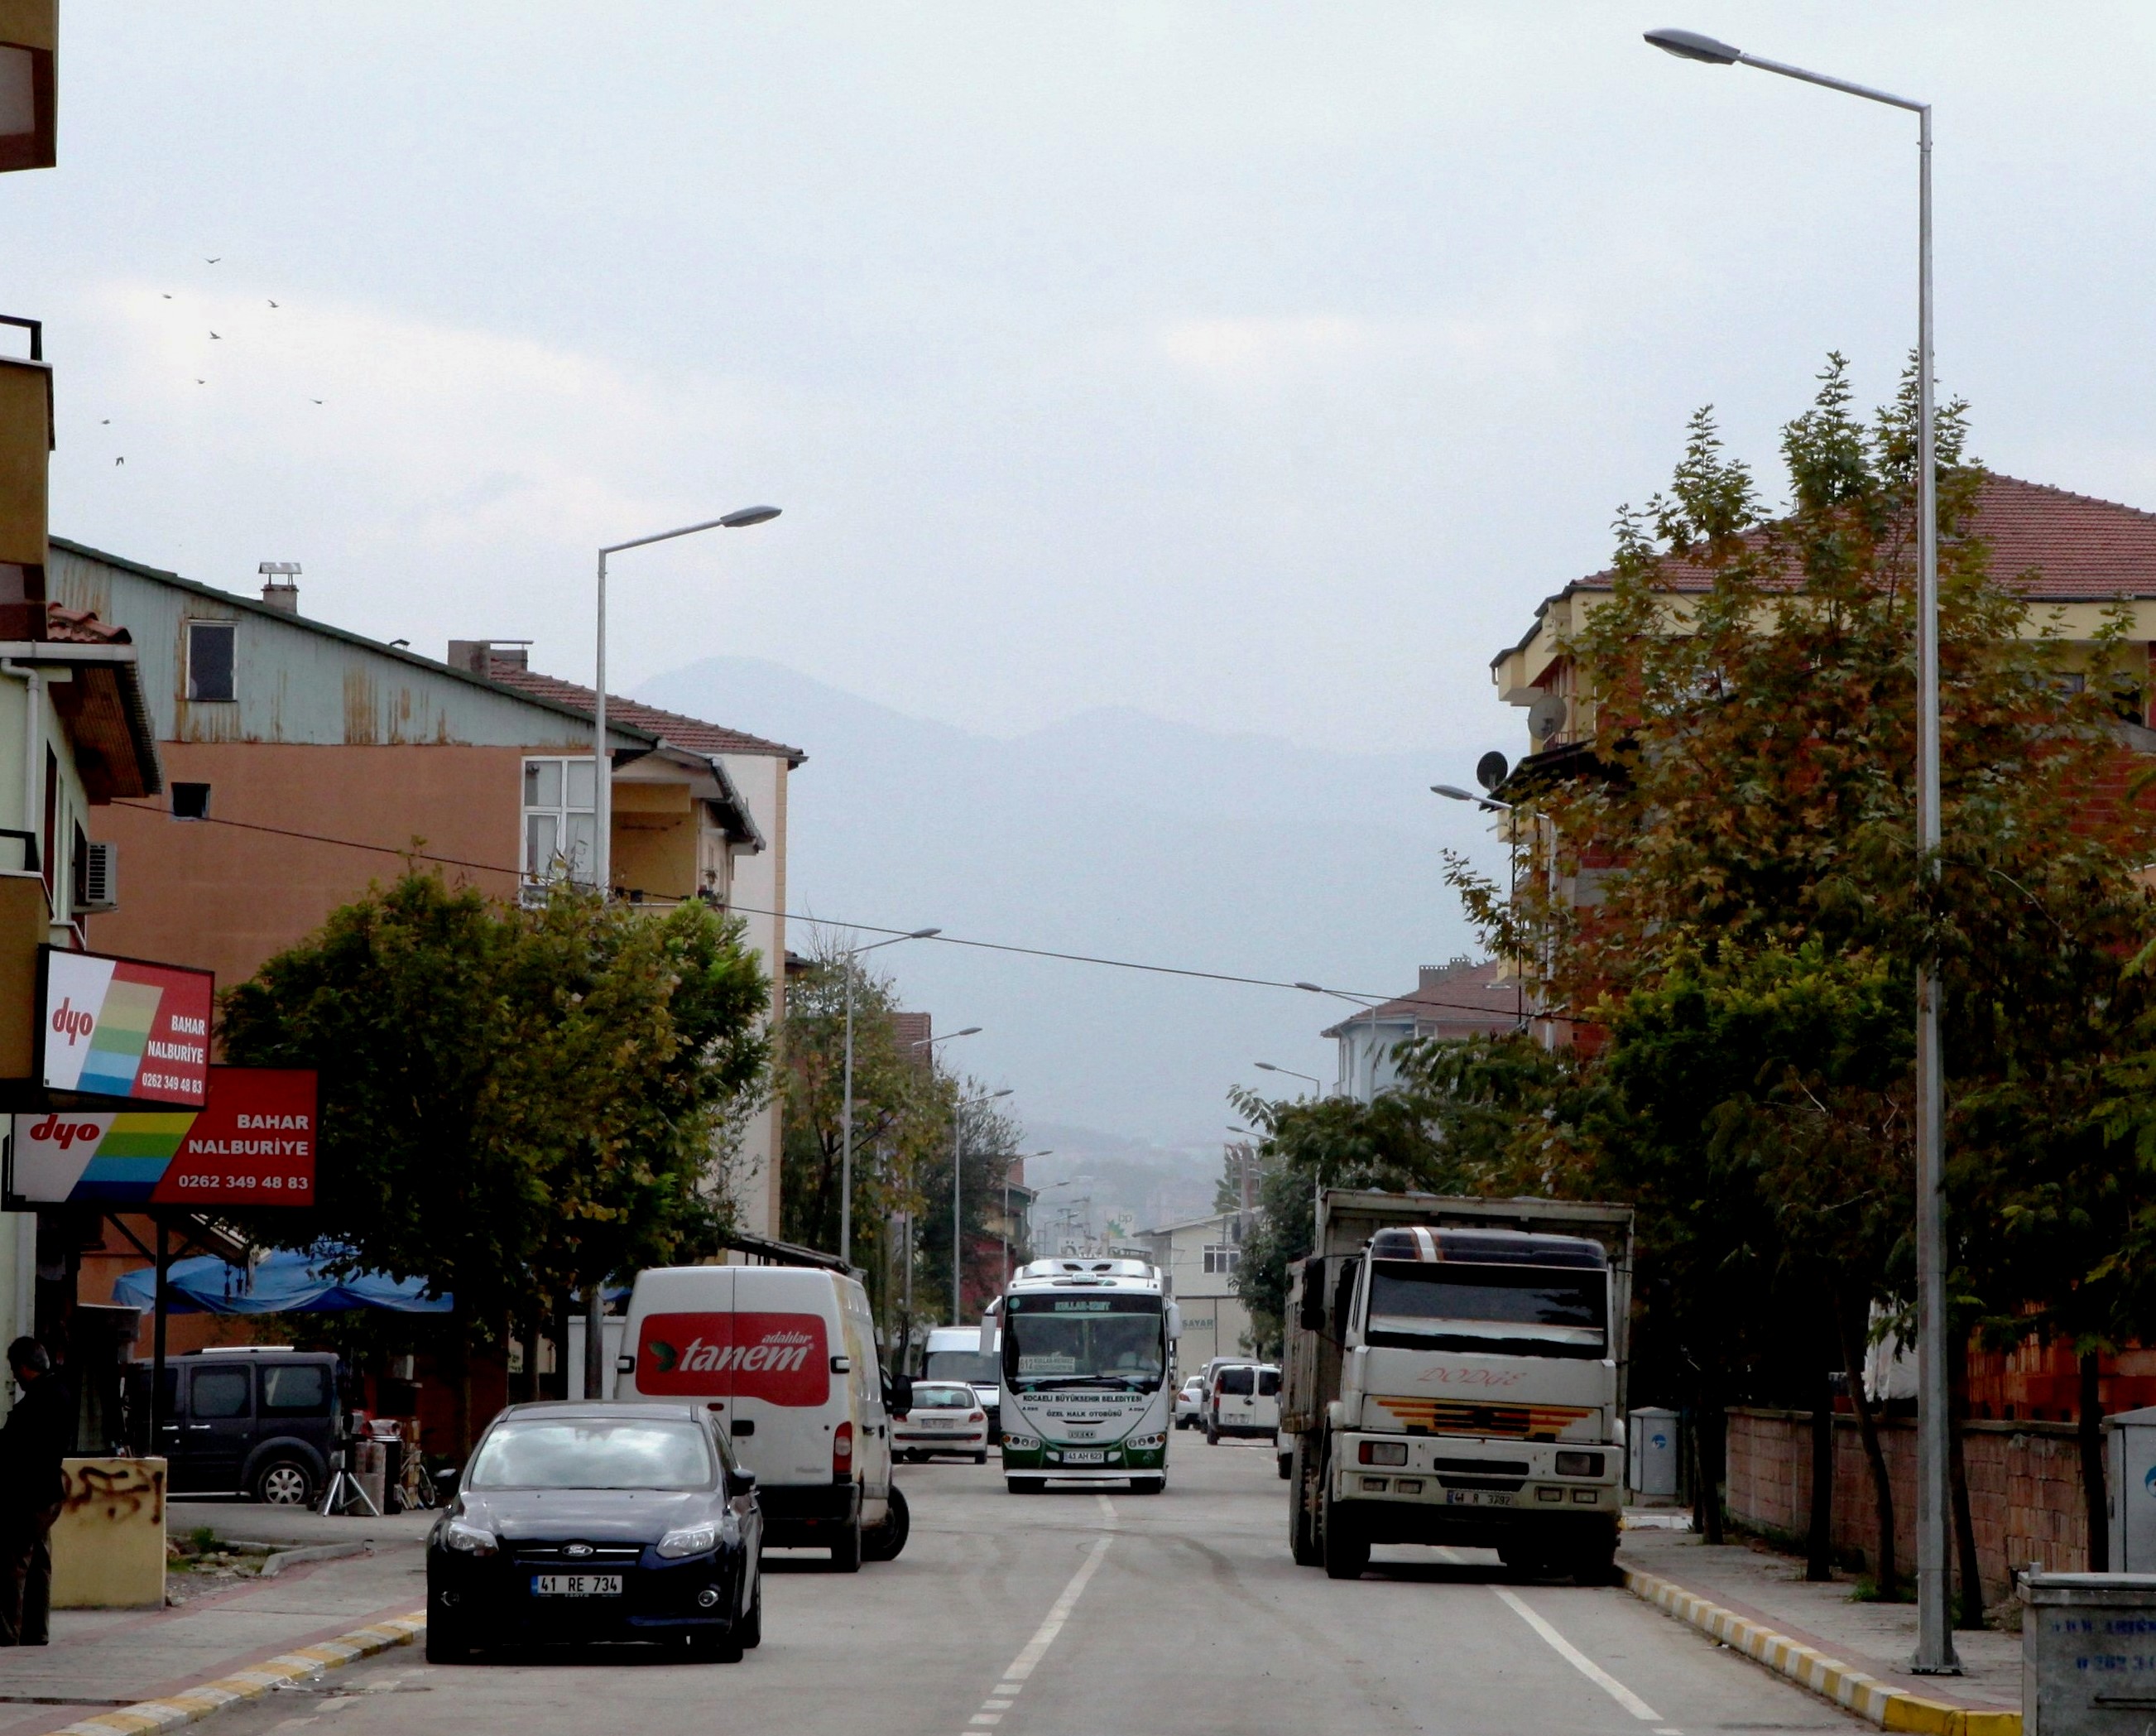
(577, 1522)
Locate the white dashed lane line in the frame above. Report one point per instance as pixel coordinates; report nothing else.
(1582, 1663)
(1013, 1679)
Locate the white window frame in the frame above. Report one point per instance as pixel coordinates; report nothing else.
(546, 795)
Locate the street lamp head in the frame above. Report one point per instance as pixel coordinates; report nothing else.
(1691, 45)
(924, 934)
(749, 516)
(971, 1031)
(1309, 988)
(1265, 1066)
(1454, 793)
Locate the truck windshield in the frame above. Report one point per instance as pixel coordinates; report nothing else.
(1502, 1310)
(976, 1366)
(1074, 1340)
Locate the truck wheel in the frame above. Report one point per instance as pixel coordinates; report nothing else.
(1346, 1548)
(1596, 1563)
(1301, 1511)
(1285, 1461)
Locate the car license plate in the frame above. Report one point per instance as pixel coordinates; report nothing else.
(941, 1422)
(1477, 1497)
(575, 1584)
(1083, 1456)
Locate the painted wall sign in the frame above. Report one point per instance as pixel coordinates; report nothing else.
(122, 1028)
(252, 1144)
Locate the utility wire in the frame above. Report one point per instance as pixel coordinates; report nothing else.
(413, 853)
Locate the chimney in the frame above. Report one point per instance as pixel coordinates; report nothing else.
(280, 586)
(483, 657)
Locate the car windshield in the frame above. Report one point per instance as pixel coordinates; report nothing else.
(592, 1453)
(942, 1398)
(1070, 1340)
(1507, 1310)
(974, 1365)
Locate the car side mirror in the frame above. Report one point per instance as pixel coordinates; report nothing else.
(741, 1483)
(445, 1485)
(901, 1394)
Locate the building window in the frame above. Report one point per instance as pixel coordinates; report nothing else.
(1222, 1257)
(190, 801)
(560, 830)
(209, 661)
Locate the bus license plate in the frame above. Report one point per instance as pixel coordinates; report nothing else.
(1083, 1456)
(575, 1584)
(1477, 1497)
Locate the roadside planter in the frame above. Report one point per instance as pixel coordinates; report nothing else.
(2088, 1654)
(109, 1541)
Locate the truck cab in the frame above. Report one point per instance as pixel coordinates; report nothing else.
(1459, 1383)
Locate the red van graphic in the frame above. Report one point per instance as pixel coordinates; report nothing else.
(780, 1359)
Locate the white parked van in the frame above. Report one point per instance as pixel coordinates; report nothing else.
(954, 1353)
(787, 1355)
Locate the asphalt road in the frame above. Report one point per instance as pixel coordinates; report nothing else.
(1088, 1614)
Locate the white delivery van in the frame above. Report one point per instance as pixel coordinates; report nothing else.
(954, 1353)
(787, 1355)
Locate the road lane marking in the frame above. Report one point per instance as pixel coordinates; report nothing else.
(1015, 1675)
(1579, 1660)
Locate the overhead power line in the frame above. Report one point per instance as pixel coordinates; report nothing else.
(413, 853)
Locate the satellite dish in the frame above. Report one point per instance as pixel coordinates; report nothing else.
(1546, 717)
(1490, 770)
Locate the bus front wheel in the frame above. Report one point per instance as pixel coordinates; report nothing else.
(1147, 1485)
(1025, 1485)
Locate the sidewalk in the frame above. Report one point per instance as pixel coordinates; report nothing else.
(102, 1658)
(1876, 1639)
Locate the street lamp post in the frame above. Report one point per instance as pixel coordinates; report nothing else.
(602, 761)
(1935, 1647)
(957, 1187)
(846, 1128)
(1317, 1084)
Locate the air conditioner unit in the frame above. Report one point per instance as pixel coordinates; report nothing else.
(100, 882)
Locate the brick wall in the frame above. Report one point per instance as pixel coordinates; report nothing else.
(2025, 1490)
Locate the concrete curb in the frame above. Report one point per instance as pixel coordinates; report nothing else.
(283, 1559)
(1876, 1702)
(243, 1686)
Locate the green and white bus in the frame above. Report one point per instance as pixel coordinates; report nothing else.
(1087, 1357)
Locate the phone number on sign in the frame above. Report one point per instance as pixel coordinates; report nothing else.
(264, 1183)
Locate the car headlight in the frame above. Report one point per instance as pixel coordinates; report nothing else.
(469, 1539)
(1147, 1441)
(1020, 1443)
(689, 1540)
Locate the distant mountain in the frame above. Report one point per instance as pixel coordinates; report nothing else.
(1115, 834)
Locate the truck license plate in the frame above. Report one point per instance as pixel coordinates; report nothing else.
(1477, 1497)
(1083, 1456)
(575, 1584)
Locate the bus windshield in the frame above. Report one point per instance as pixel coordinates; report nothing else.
(1051, 1341)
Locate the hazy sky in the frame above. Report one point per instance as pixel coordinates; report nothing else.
(1257, 366)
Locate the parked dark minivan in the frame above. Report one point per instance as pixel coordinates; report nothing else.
(262, 1423)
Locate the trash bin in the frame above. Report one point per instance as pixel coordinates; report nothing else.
(2131, 1458)
(2088, 1654)
(1650, 1455)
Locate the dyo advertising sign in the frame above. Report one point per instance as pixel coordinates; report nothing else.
(120, 1028)
(252, 1144)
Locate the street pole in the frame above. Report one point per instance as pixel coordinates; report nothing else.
(1935, 1646)
(957, 1187)
(602, 761)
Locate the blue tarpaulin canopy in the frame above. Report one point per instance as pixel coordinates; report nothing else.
(280, 1283)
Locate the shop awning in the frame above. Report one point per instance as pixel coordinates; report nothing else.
(279, 1283)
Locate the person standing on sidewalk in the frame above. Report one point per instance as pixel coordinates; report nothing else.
(32, 1442)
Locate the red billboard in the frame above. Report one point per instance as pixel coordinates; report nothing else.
(124, 1028)
(252, 1143)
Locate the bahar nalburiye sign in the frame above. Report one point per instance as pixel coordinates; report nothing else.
(124, 1028)
(252, 1143)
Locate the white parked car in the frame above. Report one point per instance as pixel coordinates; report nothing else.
(1190, 1402)
(947, 1417)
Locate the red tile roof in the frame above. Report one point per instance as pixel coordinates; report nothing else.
(2057, 546)
(81, 627)
(1457, 999)
(692, 733)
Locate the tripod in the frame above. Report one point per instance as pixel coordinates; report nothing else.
(345, 1493)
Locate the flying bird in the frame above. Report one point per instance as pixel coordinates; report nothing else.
(314, 400)
(217, 334)
(119, 460)
(105, 421)
(273, 304)
(202, 382)
(168, 298)
(212, 262)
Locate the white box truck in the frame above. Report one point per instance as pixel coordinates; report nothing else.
(1455, 1374)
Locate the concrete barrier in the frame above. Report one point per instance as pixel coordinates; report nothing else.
(109, 1541)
